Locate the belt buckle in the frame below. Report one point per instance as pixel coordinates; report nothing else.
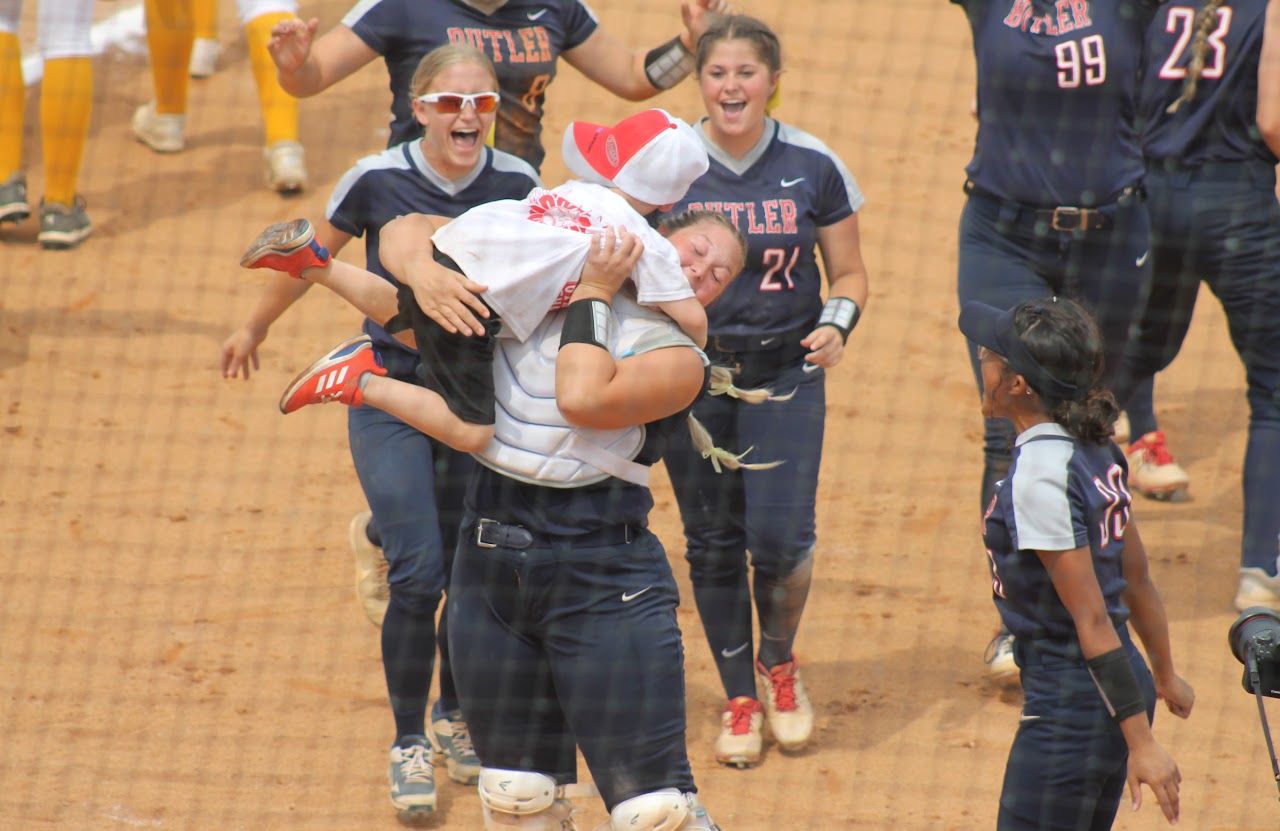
(480, 526)
(1080, 217)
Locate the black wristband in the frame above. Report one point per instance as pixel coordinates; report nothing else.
(842, 313)
(1117, 684)
(588, 321)
(668, 64)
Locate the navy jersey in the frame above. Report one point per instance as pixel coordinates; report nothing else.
(1057, 98)
(569, 512)
(778, 195)
(1220, 123)
(1060, 494)
(399, 181)
(524, 38)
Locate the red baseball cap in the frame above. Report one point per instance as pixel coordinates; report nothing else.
(652, 156)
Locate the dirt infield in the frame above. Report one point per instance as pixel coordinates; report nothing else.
(180, 647)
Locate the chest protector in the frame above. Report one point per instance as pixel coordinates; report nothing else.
(532, 442)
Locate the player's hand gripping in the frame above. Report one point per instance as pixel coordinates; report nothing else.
(614, 254)
(240, 350)
(290, 43)
(826, 346)
(1177, 695)
(447, 297)
(1150, 765)
(698, 15)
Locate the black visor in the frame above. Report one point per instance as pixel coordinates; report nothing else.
(990, 327)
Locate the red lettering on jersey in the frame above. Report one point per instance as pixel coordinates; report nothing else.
(789, 217)
(456, 35)
(696, 206)
(530, 43)
(1080, 9)
(1018, 15)
(1044, 25)
(495, 43)
(1063, 8)
(562, 299)
(771, 225)
(513, 53)
(544, 41)
(753, 225)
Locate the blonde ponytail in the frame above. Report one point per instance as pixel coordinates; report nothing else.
(1199, 49)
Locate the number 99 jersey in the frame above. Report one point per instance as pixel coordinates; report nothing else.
(787, 187)
(1060, 494)
(1057, 98)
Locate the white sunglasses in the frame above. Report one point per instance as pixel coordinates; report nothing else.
(453, 102)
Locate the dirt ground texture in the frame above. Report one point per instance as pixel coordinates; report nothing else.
(180, 646)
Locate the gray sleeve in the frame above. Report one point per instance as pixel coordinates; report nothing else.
(1041, 507)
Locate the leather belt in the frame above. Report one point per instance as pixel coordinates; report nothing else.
(1064, 218)
(493, 534)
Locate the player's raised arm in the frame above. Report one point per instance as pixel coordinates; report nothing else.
(1269, 79)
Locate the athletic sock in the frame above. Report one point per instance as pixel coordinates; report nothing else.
(279, 108)
(12, 103)
(170, 34)
(408, 658)
(205, 14)
(66, 104)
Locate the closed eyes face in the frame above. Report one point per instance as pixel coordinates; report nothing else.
(710, 257)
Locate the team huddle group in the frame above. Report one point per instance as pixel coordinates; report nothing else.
(530, 352)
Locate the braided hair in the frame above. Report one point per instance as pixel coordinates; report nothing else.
(1199, 50)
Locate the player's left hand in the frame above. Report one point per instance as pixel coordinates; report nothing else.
(826, 346)
(1149, 764)
(1177, 695)
(613, 256)
(698, 15)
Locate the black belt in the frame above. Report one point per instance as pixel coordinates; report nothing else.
(493, 534)
(759, 341)
(1064, 218)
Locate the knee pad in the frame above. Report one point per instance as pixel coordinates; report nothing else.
(664, 810)
(522, 800)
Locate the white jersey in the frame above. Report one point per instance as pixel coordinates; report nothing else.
(532, 442)
(530, 252)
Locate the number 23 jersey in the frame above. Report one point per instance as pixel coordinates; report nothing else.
(787, 187)
(1057, 98)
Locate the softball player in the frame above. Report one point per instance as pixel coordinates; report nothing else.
(1211, 178)
(162, 122)
(525, 39)
(66, 105)
(1056, 204)
(445, 173)
(562, 604)
(792, 199)
(1068, 570)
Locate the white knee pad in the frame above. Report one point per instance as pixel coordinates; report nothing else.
(664, 810)
(523, 800)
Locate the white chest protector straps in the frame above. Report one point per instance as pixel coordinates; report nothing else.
(532, 442)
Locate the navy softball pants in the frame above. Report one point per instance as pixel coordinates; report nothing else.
(770, 513)
(1220, 223)
(1067, 766)
(414, 486)
(1007, 256)
(561, 644)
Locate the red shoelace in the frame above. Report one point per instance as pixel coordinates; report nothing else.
(1155, 451)
(784, 687)
(740, 712)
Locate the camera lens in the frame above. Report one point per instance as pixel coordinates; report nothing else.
(1256, 625)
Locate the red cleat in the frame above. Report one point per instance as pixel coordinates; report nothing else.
(335, 377)
(290, 247)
